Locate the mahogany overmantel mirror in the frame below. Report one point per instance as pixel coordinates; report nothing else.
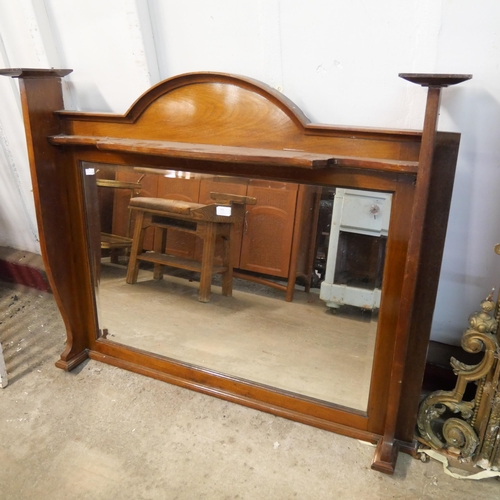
(213, 238)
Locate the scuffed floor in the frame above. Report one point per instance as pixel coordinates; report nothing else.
(104, 433)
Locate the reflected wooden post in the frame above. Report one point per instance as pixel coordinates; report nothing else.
(387, 448)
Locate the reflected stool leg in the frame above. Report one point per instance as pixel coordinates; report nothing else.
(137, 242)
(227, 276)
(160, 243)
(207, 260)
(113, 254)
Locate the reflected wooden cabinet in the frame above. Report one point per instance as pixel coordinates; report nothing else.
(276, 238)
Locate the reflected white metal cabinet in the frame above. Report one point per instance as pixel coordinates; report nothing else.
(361, 212)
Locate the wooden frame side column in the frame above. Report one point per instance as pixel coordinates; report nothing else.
(387, 448)
(56, 192)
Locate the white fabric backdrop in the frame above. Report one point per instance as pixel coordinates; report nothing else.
(338, 61)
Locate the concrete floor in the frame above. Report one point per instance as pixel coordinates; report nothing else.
(104, 433)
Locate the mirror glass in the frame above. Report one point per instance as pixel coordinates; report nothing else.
(299, 312)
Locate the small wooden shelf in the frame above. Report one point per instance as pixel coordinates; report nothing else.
(231, 154)
(192, 151)
(435, 79)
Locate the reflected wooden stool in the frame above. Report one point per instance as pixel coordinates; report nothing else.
(205, 221)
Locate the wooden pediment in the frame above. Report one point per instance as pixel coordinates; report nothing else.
(228, 118)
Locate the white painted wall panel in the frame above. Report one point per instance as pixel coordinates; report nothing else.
(17, 211)
(469, 41)
(21, 44)
(103, 42)
(337, 60)
(233, 37)
(342, 59)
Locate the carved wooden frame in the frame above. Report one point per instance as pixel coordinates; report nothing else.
(252, 130)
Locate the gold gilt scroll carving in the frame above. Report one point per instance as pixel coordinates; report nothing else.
(469, 430)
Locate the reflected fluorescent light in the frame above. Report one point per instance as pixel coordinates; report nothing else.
(172, 174)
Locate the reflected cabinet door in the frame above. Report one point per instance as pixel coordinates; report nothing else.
(268, 228)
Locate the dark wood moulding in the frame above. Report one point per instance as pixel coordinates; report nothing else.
(231, 154)
(240, 127)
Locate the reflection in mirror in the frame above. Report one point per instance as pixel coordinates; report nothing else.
(270, 282)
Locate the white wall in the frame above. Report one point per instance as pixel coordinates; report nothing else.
(337, 60)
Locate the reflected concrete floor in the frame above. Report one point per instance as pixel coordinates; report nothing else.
(254, 335)
(102, 433)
